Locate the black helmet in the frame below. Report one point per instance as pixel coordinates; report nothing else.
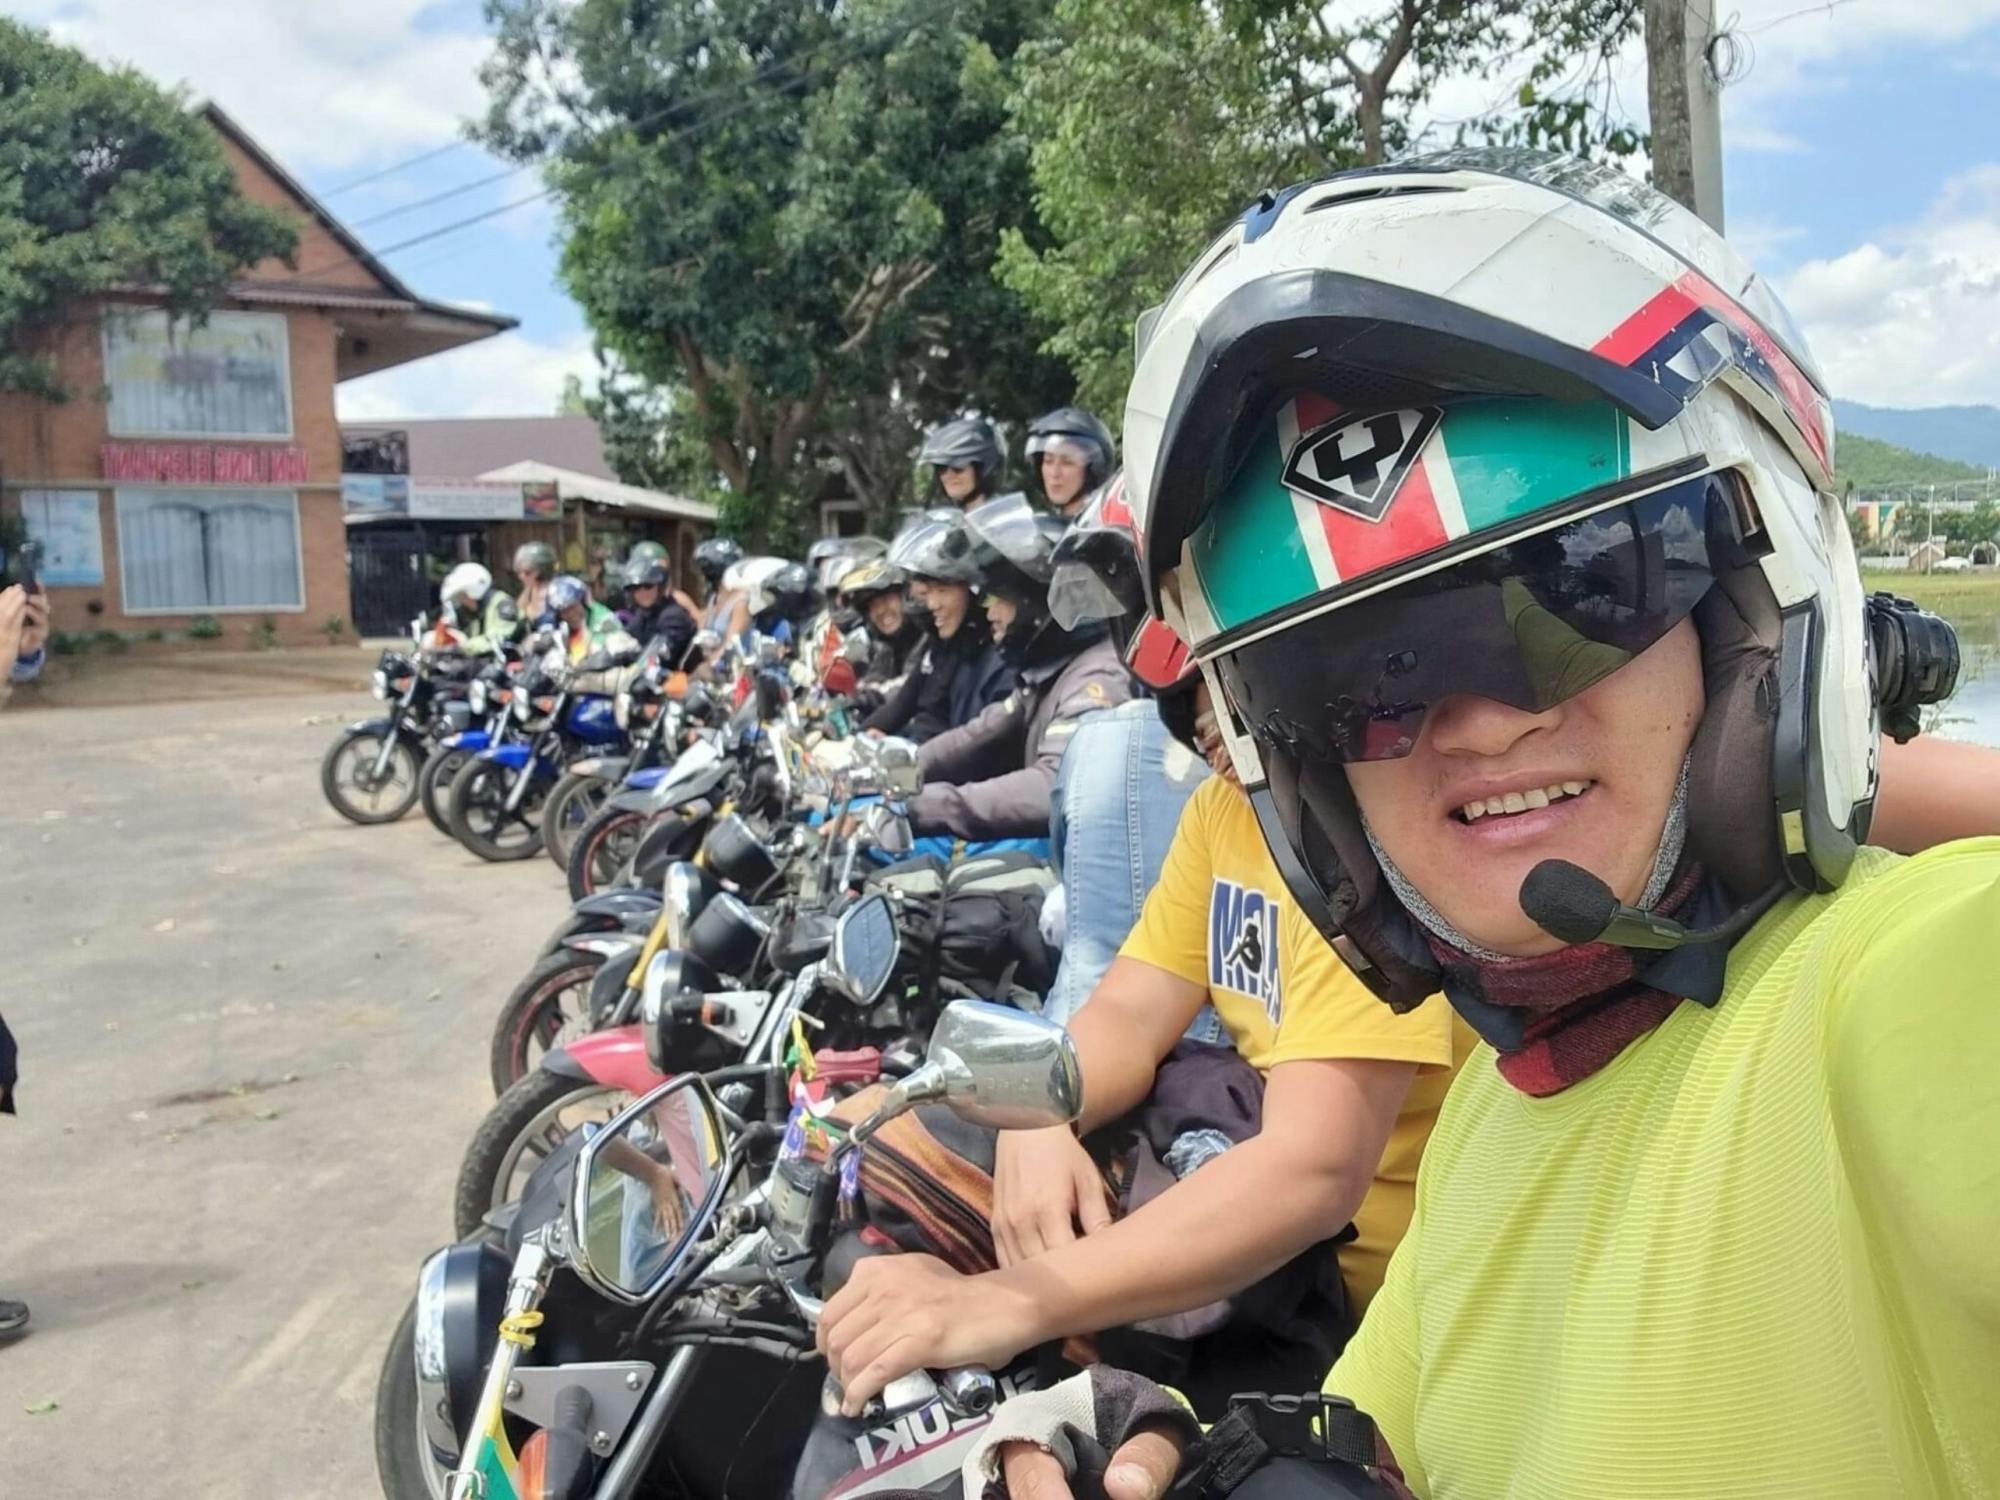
(1015, 545)
(643, 572)
(791, 593)
(714, 557)
(871, 580)
(937, 547)
(539, 556)
(964, 442)
(833, 557)
(1073, 425)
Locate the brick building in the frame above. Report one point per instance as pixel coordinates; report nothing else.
(195, 471)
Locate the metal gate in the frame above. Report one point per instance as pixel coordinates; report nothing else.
(386, 577)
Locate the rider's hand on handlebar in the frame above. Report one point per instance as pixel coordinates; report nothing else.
(1140, 1470)
(1044, 1184)
(900, 1313)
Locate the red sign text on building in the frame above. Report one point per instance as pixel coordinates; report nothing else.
(204, 463)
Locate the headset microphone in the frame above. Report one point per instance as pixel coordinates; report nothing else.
(1569, 902)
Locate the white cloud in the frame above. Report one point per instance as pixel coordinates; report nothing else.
(1754, 137)
(1762, 241)
(1912, 317)
(507, 376)
(319, 85)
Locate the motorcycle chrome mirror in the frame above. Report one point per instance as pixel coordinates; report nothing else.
(865, 947)
(896, 765)
(647, 1187)
(993, 1065)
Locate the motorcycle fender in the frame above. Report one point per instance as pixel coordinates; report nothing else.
(367, 726)
(473, 740)
(608, 946)
(607, 985)
(618, 905)
(513, 756)
(638, 802)
(615, 1059)
(610, 767)
(645, 780)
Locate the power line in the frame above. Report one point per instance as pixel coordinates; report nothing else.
(743, 103)
(422, 203)
(1824, 8)
(389, 171)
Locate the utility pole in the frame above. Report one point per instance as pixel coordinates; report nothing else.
(1685, 105)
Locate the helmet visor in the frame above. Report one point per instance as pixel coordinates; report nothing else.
(1529, 624)
(1062, 445)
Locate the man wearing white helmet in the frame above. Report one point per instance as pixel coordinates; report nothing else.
(1493, 495)
(481, 613)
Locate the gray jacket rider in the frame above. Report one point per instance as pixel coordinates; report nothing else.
(991, 777)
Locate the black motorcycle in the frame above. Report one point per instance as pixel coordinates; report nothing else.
(371, 771)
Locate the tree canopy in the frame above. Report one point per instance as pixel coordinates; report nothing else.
(783, 214)
(1151, 123)
(107, 182)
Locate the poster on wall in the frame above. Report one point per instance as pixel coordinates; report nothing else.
(540, 500)
(227, 377)
(464, 500)
(65, 523)
(366, 496)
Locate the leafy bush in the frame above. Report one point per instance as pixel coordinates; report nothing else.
(111, 640)
(334, 629)
(264, 635)
(204, 628)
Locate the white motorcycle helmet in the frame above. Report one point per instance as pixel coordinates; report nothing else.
(466, 581)
(751, 577)
(1494, 422)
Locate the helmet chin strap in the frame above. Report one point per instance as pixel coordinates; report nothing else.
(1666, 860)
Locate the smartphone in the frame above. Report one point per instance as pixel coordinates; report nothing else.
(22, 566)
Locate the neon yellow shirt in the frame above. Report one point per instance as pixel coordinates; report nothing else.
(1220, 917)
(1757, 1255)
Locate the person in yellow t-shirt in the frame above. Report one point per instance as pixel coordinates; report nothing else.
(1341, 1131)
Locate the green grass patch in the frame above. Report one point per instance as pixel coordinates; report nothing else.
(1946, 593)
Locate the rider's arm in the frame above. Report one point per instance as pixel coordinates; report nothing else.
(1933, 791)
(902, 702)
(1378, 1369)
(1912, 1034)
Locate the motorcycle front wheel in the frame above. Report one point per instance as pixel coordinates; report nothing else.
(570, 807)
(403, 1458)
(525, 1124)
(548, 1008)
(434, 779)
(603, 849)
(347, 777)
(476, 810)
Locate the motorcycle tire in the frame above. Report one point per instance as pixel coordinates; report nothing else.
(339, 788)
(474, 810)
(568, 811)
(434, 784)
(403, 1459)
(535, 1018)
(603, 850)
(528, 1121)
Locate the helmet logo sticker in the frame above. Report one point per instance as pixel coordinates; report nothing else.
(1357, 464)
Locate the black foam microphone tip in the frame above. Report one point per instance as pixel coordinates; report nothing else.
(1568, 901)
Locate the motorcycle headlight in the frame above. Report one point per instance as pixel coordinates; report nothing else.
(476, 696)
(379, 685)
(430, 1320)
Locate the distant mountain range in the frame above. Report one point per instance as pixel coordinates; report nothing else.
(1967, 434)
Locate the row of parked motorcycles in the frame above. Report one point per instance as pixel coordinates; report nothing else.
(761, 967)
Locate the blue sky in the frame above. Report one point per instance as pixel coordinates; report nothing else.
(1862, 172)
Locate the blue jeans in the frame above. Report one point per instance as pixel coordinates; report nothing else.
(1118, 799)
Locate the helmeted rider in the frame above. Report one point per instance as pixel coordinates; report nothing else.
(653, 611)
(713, 558)
(958, 670)
(650, 551)
(876, 591)
(991, 778)
(534, 565)
(478, 611)
(1540, 645)
(598, 646)
(1071, 453)
(966, 458)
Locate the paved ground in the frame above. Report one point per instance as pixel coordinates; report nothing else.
(252, 1045)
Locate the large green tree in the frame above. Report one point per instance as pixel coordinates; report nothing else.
(1152, 122)
(107, 182)
(782, 214)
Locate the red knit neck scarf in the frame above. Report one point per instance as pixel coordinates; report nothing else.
(1557, 1018)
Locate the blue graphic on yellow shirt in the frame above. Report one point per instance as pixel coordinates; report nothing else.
(1243, 944)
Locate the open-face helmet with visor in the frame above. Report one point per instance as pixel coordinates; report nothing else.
(866, 582)
(934, 547)
(964, 443)
(1081, 434)
(1493, 423)
(538, 558)
(1014, 545)
(715, 556)
(832, 557)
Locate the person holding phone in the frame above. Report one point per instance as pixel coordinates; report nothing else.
(24, 631)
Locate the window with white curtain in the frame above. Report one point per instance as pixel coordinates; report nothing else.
(194, 551)
(228, 377)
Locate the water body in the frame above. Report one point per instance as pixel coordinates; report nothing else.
(1973, 712)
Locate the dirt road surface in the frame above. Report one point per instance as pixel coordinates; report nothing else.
(253, 1042)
